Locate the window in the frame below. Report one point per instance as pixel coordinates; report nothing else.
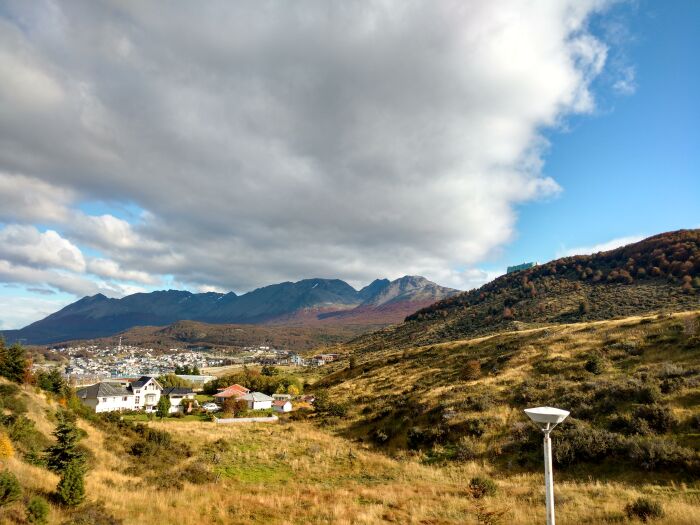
(104, 399)
(137, 400)
(138, 392)
(125, 398)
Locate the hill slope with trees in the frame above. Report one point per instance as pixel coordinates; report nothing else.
(660, 273)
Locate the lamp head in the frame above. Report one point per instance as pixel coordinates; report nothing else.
(546, 417)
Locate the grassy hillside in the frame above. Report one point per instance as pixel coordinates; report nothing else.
(661, 273)
(632, 386)
(194, 472)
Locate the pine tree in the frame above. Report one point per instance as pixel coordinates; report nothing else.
(71, 487)
(163, 407)
(13, 362)
(66, 450)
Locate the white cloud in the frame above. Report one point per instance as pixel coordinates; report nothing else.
(600, 247)
(28, 246)
(111, 270)
(280, 141)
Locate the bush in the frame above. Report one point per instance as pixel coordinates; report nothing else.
(579, 442)
(629, 426)
(480, 487)
(645, 509)
(92, 514)
(594, 364)
(659, 418)
(37, 510)
(10, 489)
(466, 450)
(472, 370)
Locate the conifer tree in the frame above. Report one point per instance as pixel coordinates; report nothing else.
(66, 450)
(71, 487)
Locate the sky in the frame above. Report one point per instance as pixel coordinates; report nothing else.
(227, 146)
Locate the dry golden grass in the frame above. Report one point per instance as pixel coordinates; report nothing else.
(297, 473)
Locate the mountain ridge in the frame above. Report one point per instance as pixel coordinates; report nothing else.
(294, 302)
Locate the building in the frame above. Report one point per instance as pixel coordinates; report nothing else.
(107, 396)
(146, 393)
(257, 401)
(231, 391)
(282, 405)
(283, 397)
(519, 267)
(177, 395)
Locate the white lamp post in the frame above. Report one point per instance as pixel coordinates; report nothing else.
(546, 418)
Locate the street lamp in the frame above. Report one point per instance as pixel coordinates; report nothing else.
(546, 418)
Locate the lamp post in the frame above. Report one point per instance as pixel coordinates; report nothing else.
(546, 418)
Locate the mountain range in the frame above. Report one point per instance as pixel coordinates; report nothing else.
(309, 301)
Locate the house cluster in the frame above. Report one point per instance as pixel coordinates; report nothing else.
(322, 359)
(255, 400)
(140, 394)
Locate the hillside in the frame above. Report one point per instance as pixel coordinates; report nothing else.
(303, 302)
(661, 273)
(632, 386)
(196, 470)
(191, 334)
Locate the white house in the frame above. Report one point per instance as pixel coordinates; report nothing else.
(257, 401)
(177, 395)
(282, 405)
(146, 393)
(142, 394)
(106, 397)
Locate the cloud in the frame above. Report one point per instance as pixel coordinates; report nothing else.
(111, 270)
(28, 246)
(275, 141)
(601, 247)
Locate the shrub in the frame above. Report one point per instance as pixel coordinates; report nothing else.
(594, 364)
(645, 509)
(197, 474)
(659, 418)
(579, 442)
(6, 448)
(418, 437)
(658, 454)
(92, 514)
(466, 450)
(472, 370)
(37, 510)
(482, 486)
(629, 426)
(10, 489)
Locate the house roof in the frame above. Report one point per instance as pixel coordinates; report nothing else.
(233, 390)
(176, 391)
(257, 396)
(281, 402)
(102, 390)
(142, 381)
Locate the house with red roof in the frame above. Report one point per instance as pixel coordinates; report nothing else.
(234, 391)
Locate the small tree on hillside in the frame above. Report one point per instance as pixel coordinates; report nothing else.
(66, 450)
(163, 407)
(71, 487)
(13, 362)
(6, 448)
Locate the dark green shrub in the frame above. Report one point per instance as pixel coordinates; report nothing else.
(480, 487)
(644, 509)
(92, 514)
(380, 436)
(465, 450)
(629, 426)
(579, 442)
(197, 474)
(10, 489)
(419, 438)
(659, 418)
(37, 510)
(595, 364)
(659, 454)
